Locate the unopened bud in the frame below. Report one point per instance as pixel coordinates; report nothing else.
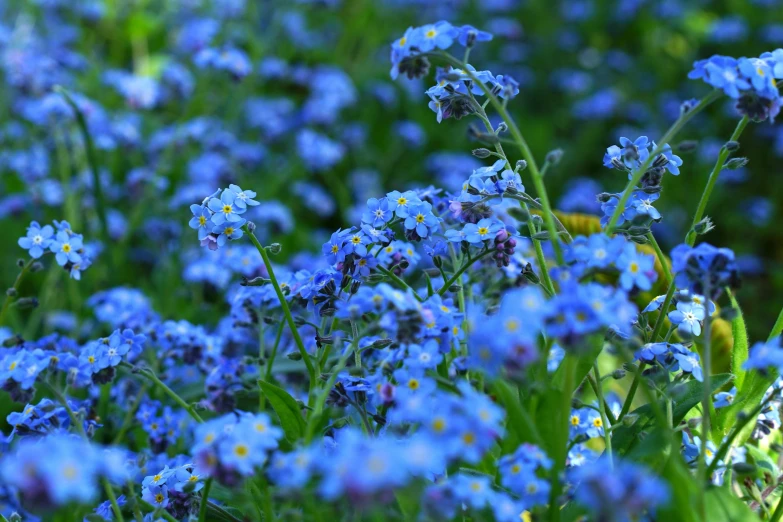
(687, 146)
(294, 356)
(521, 165)
(704, 226)
(256, 281)
(274, 248)
(455, 288)
(502, 127)
(744, 468)
(340, 423)
(731, 146)
(381, 343)
(11, 292)
(553, 157)
(481, 153)
(604, 197)
(437, 261)
(36, 267)
(251, 227)
(26, 303)
(736, 163)
(20, 263)
(618, 374)
(530, 274)
(694, 422)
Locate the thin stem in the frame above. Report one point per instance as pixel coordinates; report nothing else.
(202, 510)
(540, 259)
(778, 513)
(157, 512)
(777, 328)
(453, 279)
(286, 311)
(357, 353)
(399, 282)
(670, 134)
(17, 283)
(127, 421)
(661, 258)
(716, 170)
(222, 511)
(113, 499)
(92, 160)
(631, 392)
(524, 149)
(662, 314)
(604, 419)
(270, 364)
(149, 374)
(706, 401)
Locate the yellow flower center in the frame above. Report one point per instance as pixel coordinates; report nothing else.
(66, 247)
(228, 231)
(483, 231)
(227, 209)
(431, 33)
(240, 450)
(202, 221)
(420, 218)
(634, 267)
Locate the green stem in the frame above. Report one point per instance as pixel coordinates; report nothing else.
(777, 328)
(661, 258)
(524, 149)
(202, 510)
(286, 311)
(113, 499)
(17, 283)
(662, 314)
(399, 282)
(270, 364)
(604, 418)
(670, 134)
(89, 148)
(461, 270)
(540, 259)
(716, 170)
(631, 392)
(157, 512)
(149, 374)
(778, 513)
(219, 509)
(128, 420)
(706, 401)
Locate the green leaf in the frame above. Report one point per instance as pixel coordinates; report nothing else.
(520, 423)
(626, 437)
(777, 329)
(722, 506)
(287, 409)
(739, 353)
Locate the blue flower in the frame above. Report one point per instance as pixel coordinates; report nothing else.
(421, 219)
(485, 229)
(688, 317)
(636, 269)
(201, 220)
(37, 240)
(66, 248)
(243, 197)
(229, 230)
(697, 268)
(378, 212)
(438, 35)
(225, 208)
(469, 34)
(157, 496)
(724, 399)
(401, 202)
(336, 248)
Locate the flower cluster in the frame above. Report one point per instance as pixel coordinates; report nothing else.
(218, 218)
(750, 81)
(705, 269)
(66, 245)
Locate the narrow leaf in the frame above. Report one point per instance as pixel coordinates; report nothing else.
(287, 409)
(739, 353)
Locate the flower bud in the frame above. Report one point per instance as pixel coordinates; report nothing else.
(521, 165)
(381, 343)
(553, 157)
(251, 227)
(20, 263)
(26, 303)
(731, 146)
(437, 261)
(530, 274)
(704, 226)
(294, 356)
(736, 163)
(687, 146)
(455, 288)
(694, 422)
(618, 374)
(744, 468)
(274, 248)
(481, 153)
(502, 127)
(11, 292)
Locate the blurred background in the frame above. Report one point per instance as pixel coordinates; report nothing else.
(293, 99)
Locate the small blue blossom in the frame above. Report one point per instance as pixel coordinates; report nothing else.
(37, 239)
